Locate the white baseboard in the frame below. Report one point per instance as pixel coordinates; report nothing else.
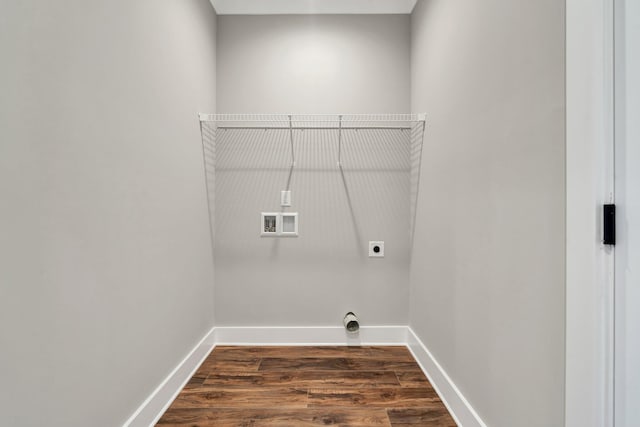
(311, 335)
(157, 403)
(456, 403)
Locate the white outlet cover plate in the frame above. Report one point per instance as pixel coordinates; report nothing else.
(373, 244)
(285, 198)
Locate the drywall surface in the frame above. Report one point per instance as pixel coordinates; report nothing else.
(105, 257)
(487, 272)
(312, 64)
(317, 277)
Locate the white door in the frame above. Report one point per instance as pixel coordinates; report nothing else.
(627, 197)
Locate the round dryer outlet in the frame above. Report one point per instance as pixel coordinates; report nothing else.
(376, 249)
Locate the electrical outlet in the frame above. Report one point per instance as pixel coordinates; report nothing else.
(376, 249)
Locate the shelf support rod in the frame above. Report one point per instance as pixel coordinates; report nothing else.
(293, 157)
(340, 142)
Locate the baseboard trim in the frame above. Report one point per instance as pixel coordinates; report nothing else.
(454, 400)
(310, 335)
(157, 403)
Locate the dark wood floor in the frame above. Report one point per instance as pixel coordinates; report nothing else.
(308, 386)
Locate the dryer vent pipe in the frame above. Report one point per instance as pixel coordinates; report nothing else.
(351, 323)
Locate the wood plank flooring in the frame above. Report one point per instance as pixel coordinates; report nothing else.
(308, 386)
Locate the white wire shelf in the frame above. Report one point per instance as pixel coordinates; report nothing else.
(318, 118)
(312, 121)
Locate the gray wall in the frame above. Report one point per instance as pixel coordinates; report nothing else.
(105, 258)
(487, 273)
(312, 64)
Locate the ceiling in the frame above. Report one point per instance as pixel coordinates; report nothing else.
(309, 7)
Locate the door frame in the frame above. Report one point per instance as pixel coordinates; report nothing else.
(627, 345)
(589, 184)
